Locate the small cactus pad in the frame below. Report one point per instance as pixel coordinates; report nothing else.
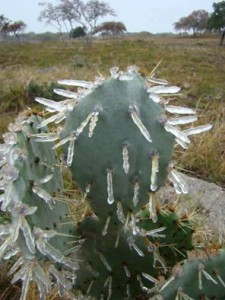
(198, 279)
(32, 181)
(125, 263)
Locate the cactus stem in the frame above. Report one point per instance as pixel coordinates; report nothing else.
(26, 281)
(85, 211)
(110, 198)
(132, 245)
(117, 240)
(109, 283)
(94, 120)
(150, 278)
(133, 224)
(157, 81)
(162, 89)
(44, 179)
(79, 83)
(201, 270)
(197, 130)
(90, 286)
(127, 221)
(154, 171)
(66, 93)
(178, 182)
(156, 98)
(128, 291)
(126, 164)
(44, 195)
(155, 232)
(70, 152)
(158, 258)
(105, 229)
(120, 213)
(80, 129)
(136, 192)
(181, 143)
(177, 133)
(144, 288)
(179, 110)
(4, 246)
(87, 191)
(172, 278)
(137, 121)
(29, 238)
(16, 265)
(152, 207)
(63, 141)
(104, 261)
(181, 295)
(219, 278)
(7, 198)
(181, 120)
(45, 137)
(127, 272)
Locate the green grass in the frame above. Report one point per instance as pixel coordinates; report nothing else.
(195, 64)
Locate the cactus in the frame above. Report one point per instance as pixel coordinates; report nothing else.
(198, 279)
(117, 142)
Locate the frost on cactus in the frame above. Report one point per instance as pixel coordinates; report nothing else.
(119, 136)
(31, 182)
(117, 140)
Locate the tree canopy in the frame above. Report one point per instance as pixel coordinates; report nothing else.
(196, 22)
(8, 27)
(110, 28)
(77, 32)
(70, 13)
(217, 18)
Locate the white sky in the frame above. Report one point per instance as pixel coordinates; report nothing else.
(154, 16)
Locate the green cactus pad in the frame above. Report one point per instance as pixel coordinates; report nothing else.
(198, 279)
(122, 265)
(32, 181)
(128, 132)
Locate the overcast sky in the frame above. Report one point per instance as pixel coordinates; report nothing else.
(154, 16)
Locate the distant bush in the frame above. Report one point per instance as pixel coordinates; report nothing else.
(77, 32)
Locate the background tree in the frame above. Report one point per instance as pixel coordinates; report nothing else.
(196, 22)
(51, 15)
(69, 13)
(17, 28)
(94, 10)
(8, 27)
(77, 32)
(182, 24)
(4, 24)
(217, 19)
(111, 28)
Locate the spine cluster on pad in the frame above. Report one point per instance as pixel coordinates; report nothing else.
(116, 137)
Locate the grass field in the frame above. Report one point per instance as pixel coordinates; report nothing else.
(197, 65)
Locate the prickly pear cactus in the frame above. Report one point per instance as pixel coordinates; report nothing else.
(32, 187)
(117, 141)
